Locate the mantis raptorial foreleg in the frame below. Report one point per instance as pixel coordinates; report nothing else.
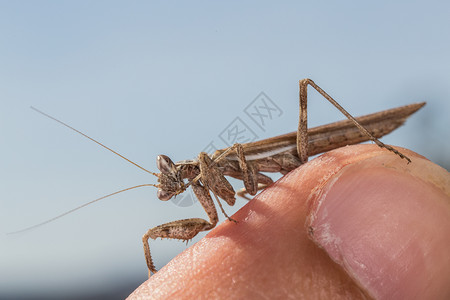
(184, 229)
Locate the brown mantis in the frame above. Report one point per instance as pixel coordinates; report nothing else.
(279, 154)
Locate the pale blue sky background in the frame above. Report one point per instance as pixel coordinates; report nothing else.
(148, 78)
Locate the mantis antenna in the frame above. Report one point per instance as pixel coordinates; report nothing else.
(79, 207)
(88, 137)
(95, 200)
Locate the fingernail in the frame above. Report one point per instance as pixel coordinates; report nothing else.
(388, 226)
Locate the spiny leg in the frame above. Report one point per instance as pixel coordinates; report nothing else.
(182, 229)
(302, 133)
(204, 197)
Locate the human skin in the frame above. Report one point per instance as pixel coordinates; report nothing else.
(357, 222)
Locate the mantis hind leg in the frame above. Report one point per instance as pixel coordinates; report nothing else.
(302, 132)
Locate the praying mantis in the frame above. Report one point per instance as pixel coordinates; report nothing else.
(247, 162)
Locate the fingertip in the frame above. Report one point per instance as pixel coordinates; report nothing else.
(387, 224)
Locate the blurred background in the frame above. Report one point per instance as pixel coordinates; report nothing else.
(165, 77)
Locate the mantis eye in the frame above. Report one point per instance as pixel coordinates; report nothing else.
(163, 195)
(164, 163)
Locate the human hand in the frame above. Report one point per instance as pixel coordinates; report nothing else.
(356, 222)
